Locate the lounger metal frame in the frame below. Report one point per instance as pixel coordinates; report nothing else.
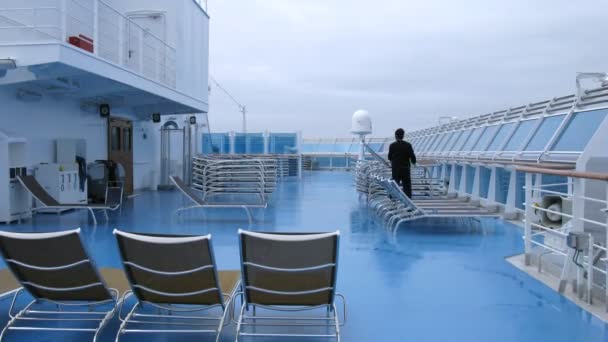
(199, 202)
(178, 315)
(386, 197)
(331, 318)
(30, 313)
(90, 208)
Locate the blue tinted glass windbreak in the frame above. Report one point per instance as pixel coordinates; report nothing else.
(501, 136)
(437, 143)
(520, 135)
(462, 140)
(580, 130)
(485, 138)
(473, 139)
(453, 138)
(544, 133)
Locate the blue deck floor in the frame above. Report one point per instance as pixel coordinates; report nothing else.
(435, 281)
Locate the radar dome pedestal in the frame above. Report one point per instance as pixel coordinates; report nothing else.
(361, 126)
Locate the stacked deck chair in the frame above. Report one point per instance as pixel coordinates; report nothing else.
(48, 202)
(178, 275)
(202, 202)
(68, 292)
(284, 275)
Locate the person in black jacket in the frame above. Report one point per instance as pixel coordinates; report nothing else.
(401, 154)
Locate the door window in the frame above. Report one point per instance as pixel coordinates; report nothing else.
(126, 135)
(115, 139)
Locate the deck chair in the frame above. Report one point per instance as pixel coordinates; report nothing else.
(199, 202)
(48, 202)
(55, 269)
(176, 274)
(285, 274)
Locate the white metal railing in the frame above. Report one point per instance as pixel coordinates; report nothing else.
(115, 37)
(583, 218)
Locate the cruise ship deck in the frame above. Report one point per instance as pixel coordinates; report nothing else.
(435, 280)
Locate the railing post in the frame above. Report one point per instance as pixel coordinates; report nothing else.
(590, 272)
(96, 27)
(528, 218)
(606, 254)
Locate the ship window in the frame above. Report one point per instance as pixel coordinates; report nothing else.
(579, 130)
(501, 136)
(519, 136)
(486, 137)
(544, 133)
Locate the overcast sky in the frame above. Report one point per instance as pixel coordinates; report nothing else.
(309, 64)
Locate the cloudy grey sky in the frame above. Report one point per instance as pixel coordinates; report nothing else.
(309, 64)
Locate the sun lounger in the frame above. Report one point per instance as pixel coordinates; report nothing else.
(177, 274)
(48, 202)
(199, 202)
(289, 273)
(55, 268)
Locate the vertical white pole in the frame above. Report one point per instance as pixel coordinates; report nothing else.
(462, 187)
(64, 20)
(141, 50)
(606, 212)
(510, 211)
(96, 27)
(362, 148)
(232, 142)
(476, 184)
(244, 111)
(590, 269)
(528, 218)
(452, 185)
(121, 41)
(492, 188)
(299, 149)
(266, 142)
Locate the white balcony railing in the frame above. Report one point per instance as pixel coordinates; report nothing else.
(100, 29)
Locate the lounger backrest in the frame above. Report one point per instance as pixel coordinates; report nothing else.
(53, 266)
(289, 269)
(183, 187)
(170, 270)
(32, 185)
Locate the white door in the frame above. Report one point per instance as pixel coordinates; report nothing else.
(147, 51)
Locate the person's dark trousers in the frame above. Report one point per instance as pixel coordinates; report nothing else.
(403, 178)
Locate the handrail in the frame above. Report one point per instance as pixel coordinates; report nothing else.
(565, 173)
(550, 166)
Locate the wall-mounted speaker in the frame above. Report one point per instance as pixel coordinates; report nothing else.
(193, 120)
(156, 117)
(104, 110)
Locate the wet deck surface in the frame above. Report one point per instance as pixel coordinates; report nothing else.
(437, 280)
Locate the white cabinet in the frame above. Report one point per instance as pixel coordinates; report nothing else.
(62, 182)
(15, 200)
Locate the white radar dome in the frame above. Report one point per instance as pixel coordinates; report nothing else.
(361, 123)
